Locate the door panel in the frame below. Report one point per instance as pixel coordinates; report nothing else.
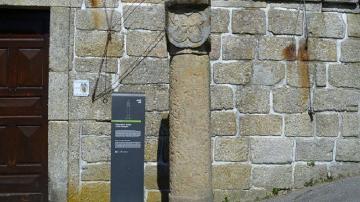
(23, 118)
(23, 105)
(21, 197)
(29, 68)
(3, 67)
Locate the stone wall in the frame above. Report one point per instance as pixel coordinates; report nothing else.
(138, 40)
(263, 74)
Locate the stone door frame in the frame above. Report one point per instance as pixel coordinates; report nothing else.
(59, 62)
(60, 53)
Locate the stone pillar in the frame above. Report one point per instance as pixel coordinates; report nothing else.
(188, 29)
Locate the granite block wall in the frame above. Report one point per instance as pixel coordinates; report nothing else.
(266, 78)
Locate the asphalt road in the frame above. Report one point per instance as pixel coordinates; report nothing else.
(345, 190)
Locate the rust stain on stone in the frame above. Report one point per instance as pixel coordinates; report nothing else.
(302, 57)
(95, 3)
(289, 52)
(96, 18)
(95, 13)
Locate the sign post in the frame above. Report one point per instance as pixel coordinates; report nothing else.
(127, 147)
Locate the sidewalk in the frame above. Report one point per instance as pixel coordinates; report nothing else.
(345, 190)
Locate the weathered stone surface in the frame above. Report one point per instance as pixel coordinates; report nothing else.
(96, 172)
(156, 176)
(238, 47)
(340, 169)
(327, 125)
(269, 176)
(223, 123)
(145, 71)
(336, 100)
(95, 192)
(144, 17)
(190, 105)
(271, 150)
(305, 175)
(238, 3)
(221, 97)
(59, 39)
(314, 5)
(220, 19)
(91, 128)
(93, 65)
(341, 1)
(302, 74)
(248, 21)
(215, 41)
(153, 196)
(329, 25)
(231, 149)
(239, 195)
(350, 50)
(260, 125)
(231, 176)
(151, 149)
(285, 22)
(350, 125)
(299, 125)
(320, 74)
(58, 156)
(95, 149)
(156, 124)
(277, 48)
(348, 150)
(267, 73)
(146, 44)
(232, 73)
(314, 149)
(146, 1)
(290, 100)
(157, 149)
(322, 49)
(58, 96)
(71, 47)
(83, 107)
(157, 96)
(253, 99)
(353, 21)
(48, 3)
(344, 75)
(92, 43)
(101, 4)
(189, 28)
(74, 177)
(97, 19)
(76, 3)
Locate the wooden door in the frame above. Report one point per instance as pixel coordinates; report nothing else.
(23, 118)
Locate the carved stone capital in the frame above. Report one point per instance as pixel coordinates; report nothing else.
(188, 28)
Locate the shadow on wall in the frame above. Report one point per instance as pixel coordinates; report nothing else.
(163, 179)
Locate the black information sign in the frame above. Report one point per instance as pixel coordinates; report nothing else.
(127, 147)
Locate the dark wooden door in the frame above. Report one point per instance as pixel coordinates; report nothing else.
(23, 118)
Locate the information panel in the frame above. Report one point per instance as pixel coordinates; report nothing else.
(127, 147)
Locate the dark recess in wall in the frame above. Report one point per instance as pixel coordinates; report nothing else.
(24, 21)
